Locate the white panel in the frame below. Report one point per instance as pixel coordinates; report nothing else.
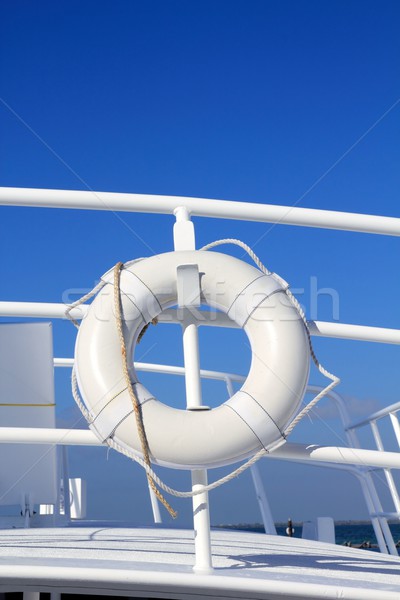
(321, 529)
(77, 492)
(26, 377)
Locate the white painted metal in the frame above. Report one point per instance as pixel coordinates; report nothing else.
(77, 490)
(170, 369)
(389, 514)
(40, 310)
(379, 523)
(173, 370)
(321, 529)
(65, 483)
(361, 333)
(381, 528)
(374, 506)
(377, 437)
(155, 507)
(262, 499)
(347, 331)
(201, 523)
(388, 474)
(184, 237)
(251, 566)
(378, 518)
(382, 519)
(396, 426)
(224, 209)
(339, 455)
(379, 414)
(334, 454)
(192, 365)
(295, 216)
(27, 399)
(374, 509)
(188, 287)
(41, 435)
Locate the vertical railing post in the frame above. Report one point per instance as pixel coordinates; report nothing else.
(379, 523)
(188, 285)
(261, 496)
(65, 472)
(263, 503)
(154, 506)
(396, 426)
(387, 472)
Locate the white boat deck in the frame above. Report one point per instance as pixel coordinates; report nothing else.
(157, 563)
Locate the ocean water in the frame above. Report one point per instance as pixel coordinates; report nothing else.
(349, 532)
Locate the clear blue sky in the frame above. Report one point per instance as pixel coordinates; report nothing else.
(294, 103)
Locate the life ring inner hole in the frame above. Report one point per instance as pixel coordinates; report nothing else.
(228, 351)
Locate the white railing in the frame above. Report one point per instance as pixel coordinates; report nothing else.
(354, 459)
(372, 421)
(376, 513)
(344, 331)
(201, 207)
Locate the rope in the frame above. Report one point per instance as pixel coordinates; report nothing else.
(135, 402)
(82, 300)
(145, 463)
(77, 397)
(90, 294)
(145, 328)
(177, 493)
(245, 247)
(335, 380)
(149, 471)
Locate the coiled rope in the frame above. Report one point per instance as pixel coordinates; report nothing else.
(145, 463)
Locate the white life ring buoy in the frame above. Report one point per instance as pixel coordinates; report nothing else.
(254, 417)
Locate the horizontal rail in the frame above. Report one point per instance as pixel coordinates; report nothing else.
(296, 452)
(387, 515)
(43, 435)
(338, 455)
(361, 333)
(221, 209)
(53, 310)
(40, 310)
(379, 414)
(169, 369)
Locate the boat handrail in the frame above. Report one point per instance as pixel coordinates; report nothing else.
(200, 207)
(379, 414)
(349, 331)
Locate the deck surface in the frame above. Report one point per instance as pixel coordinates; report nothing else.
(157, 563)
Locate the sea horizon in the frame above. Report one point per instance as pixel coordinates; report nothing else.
(355, 533)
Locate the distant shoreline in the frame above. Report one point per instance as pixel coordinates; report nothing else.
(296, 523)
